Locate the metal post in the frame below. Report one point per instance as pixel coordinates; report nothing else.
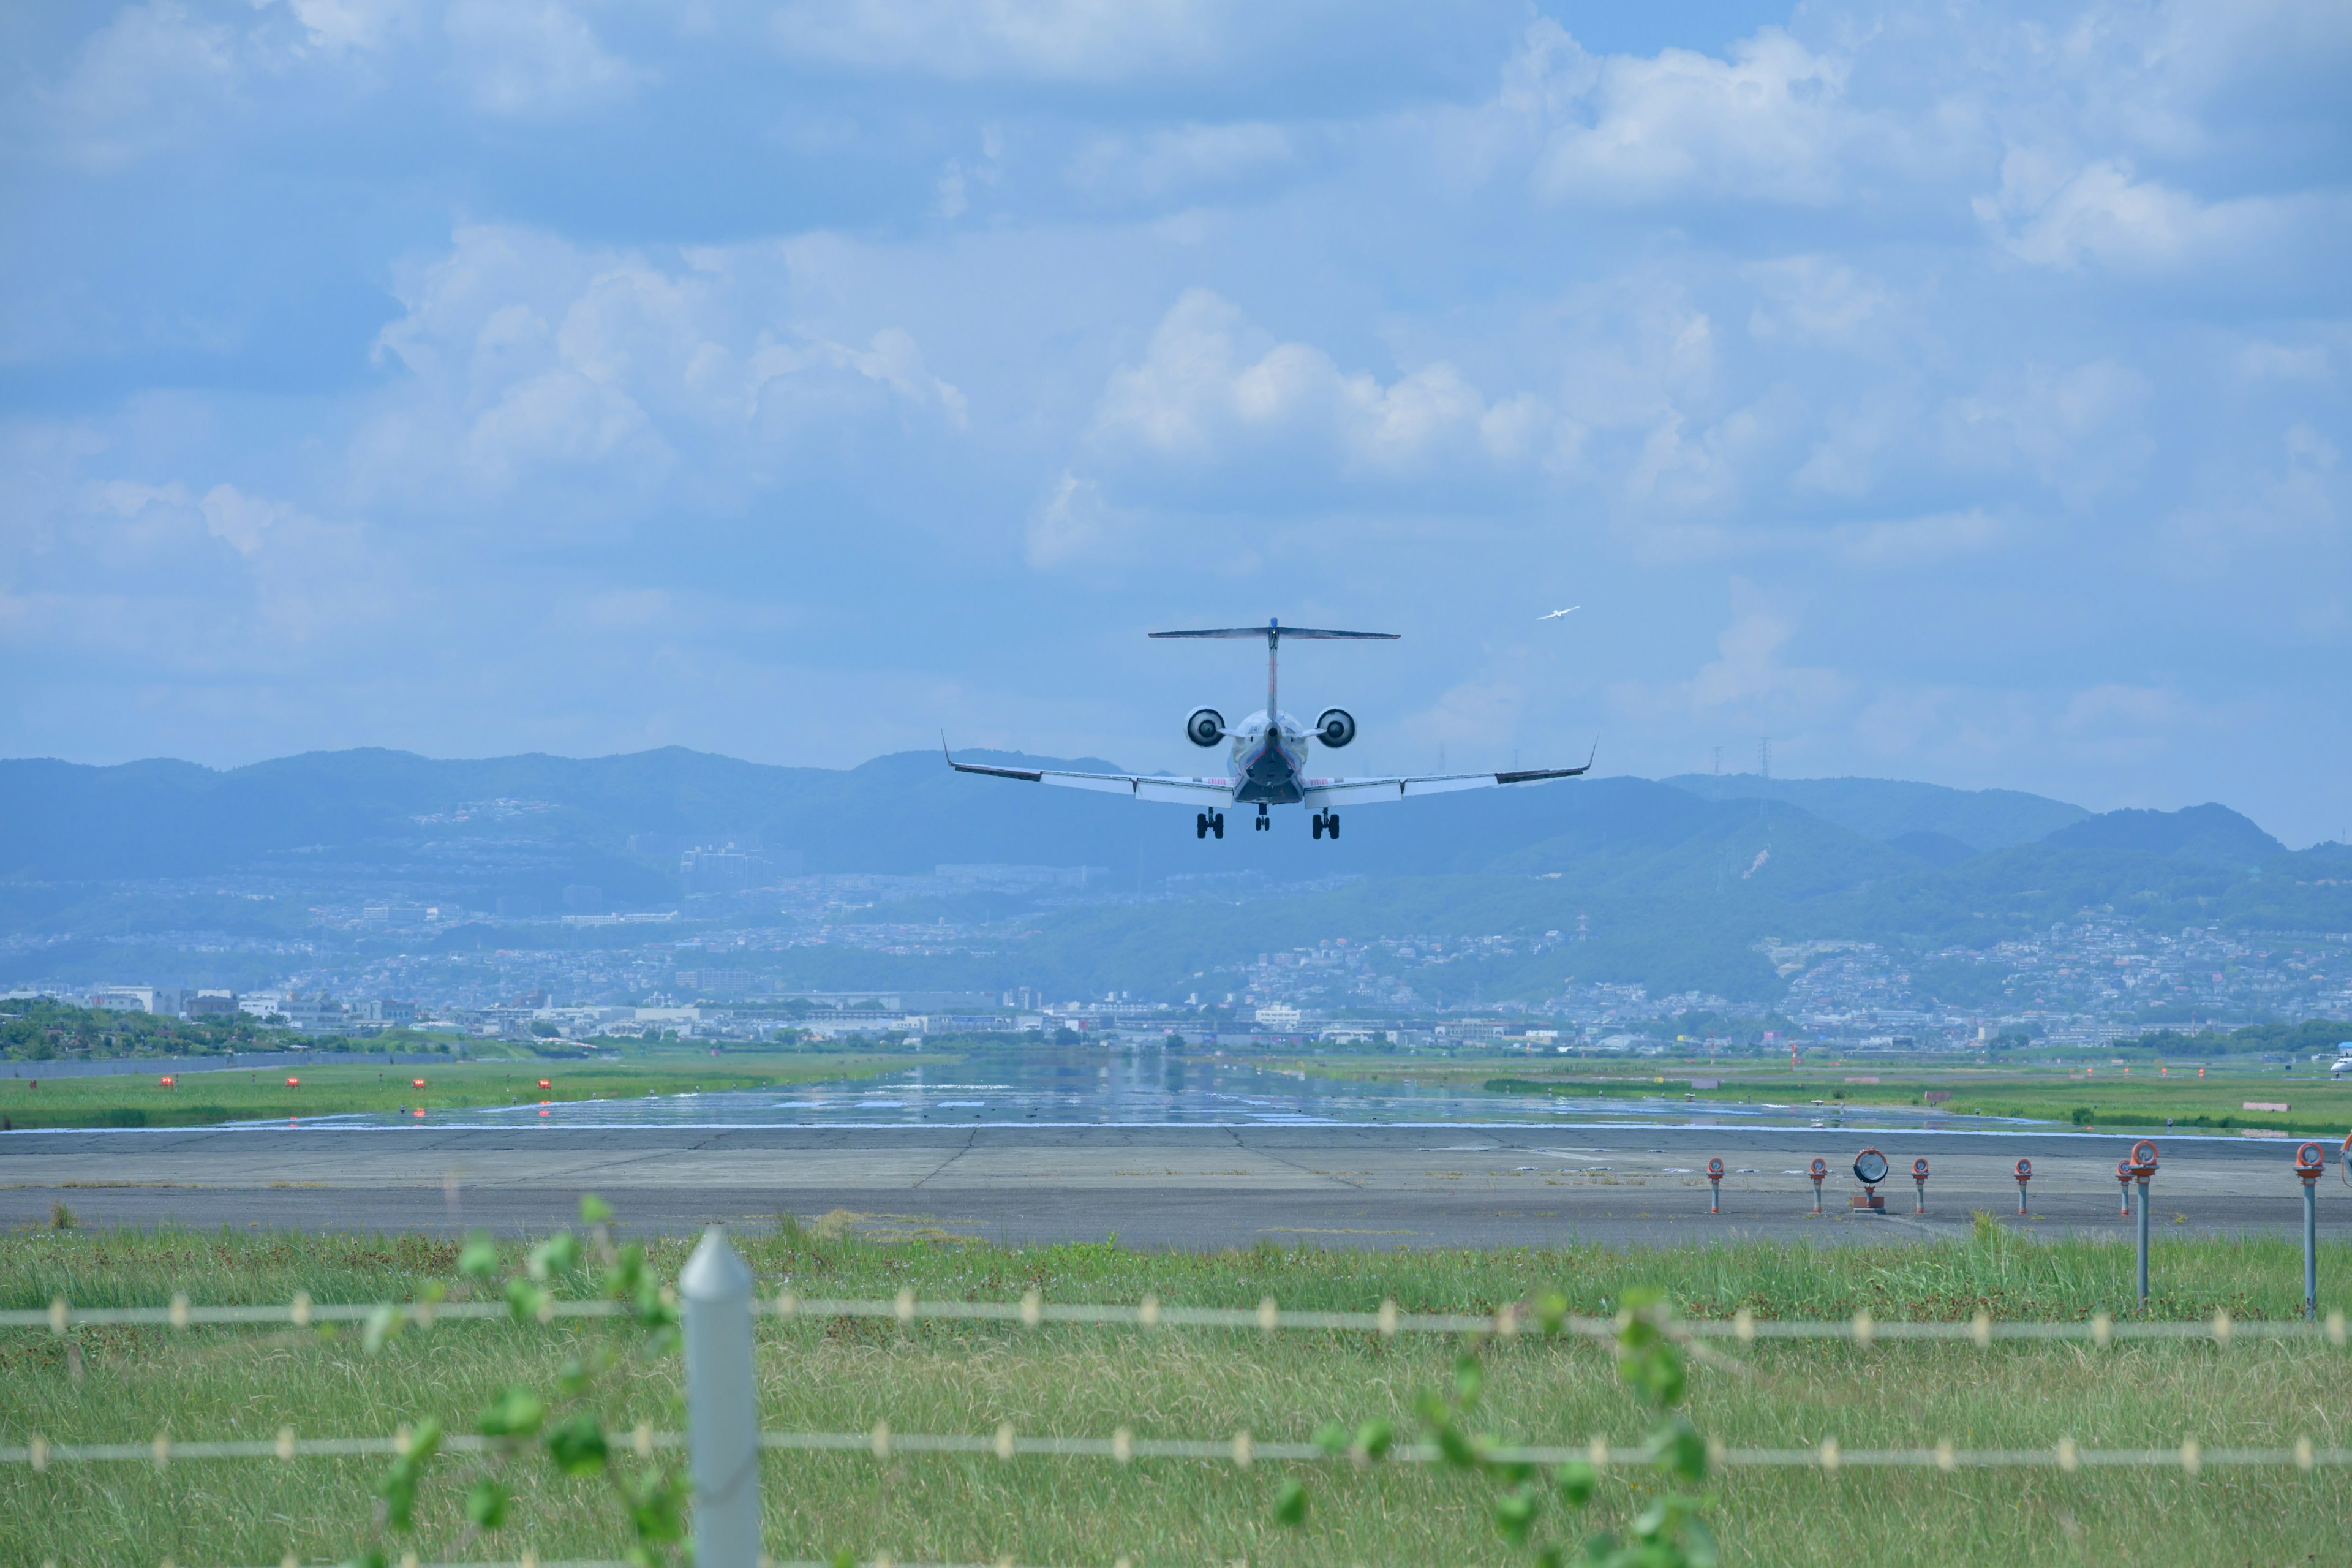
(722, 1420)
(2143, 1241)
(1715, 1183)
(2310, 1162)
(2024, 1172)
(2311, 1250)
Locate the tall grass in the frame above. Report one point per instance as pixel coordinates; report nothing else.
(965, 1378)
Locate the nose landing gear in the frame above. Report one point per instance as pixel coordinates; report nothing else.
(1264, 823)
(1209, 822)
(1326, 822)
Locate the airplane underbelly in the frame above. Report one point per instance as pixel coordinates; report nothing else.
(1269, 775)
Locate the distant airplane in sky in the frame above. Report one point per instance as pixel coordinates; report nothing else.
(1269, 756)
(1557, 614)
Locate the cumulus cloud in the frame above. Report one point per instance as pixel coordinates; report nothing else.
(526, 58)
(1211, 388)
(1771, 123)
(528, 355)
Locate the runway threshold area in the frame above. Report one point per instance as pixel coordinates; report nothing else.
(1190, 1186)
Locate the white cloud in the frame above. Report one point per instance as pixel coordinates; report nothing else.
(1211, 388)
(1816, 301)
(150, 78)
(2081, 431)
(1094, 41)
(1770, 123)
(530, 59)
(528, 355)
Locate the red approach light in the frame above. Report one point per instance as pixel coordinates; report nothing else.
(545, 1084)
(293, 1083)
(420, 1111)
(416, 1083)
(167, 1080)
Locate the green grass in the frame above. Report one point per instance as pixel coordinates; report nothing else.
(2143, 1100)
(330, 1088)
(845, 1376)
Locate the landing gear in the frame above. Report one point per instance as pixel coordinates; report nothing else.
(1264, 823)
(1209, 822)
(1327, 821)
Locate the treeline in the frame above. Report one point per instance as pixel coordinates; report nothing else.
(40, 1030)
(2313, 1035)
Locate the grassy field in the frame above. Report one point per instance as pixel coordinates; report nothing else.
(2107, 1097)
(330, 1087)
(124, 1384)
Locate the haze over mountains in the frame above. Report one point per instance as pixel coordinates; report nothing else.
(1675, 880)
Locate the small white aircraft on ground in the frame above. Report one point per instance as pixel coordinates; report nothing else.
(1269, 756)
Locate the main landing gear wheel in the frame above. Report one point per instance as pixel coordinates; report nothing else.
(1326, 822)
(1209, 822)
(1264, 823)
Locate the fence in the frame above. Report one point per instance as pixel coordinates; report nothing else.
(723, 1442)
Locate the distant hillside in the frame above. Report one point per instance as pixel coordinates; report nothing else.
(1673, 883)
(2210, 833)
(1889, 808)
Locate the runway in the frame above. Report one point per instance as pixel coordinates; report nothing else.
(1194, 1187)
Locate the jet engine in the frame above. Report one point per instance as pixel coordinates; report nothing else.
(1336, 728)
(1206, 727)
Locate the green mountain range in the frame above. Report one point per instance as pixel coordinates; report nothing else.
(1675, 882)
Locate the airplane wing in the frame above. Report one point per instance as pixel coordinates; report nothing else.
(1367, 792)
(1139, 786)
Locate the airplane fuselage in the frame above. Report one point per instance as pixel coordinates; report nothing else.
(1269, 760)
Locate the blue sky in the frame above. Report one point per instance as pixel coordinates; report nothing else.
(1953, 392)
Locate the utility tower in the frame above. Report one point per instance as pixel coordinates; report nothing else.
(1764, 757)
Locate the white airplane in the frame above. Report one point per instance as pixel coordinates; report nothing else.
(1269, 756)
(1557, 614)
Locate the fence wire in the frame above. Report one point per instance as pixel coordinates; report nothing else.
(1032, 1312)
(1240, 1450)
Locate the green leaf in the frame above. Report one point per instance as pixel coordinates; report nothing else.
(382, 1326)
(1332, 1438)
(479, 1259)
(1469, 1378)
(577, 1445)
(845, 1559)
(1375, 1438)
(1515, 1513)
(593, 1210)
(1431, 1407)
(1680, 1450)
(1290, 1504)
(486, 1504)
(654, 1507)
(1551, 1310)
(517, 1412)
(371, 1558)
(1576, 1481)
(1455, 1447)
(399, 1485)
(1698, 1545)
(525, 1299)
(572, 1379)
(559, 1253)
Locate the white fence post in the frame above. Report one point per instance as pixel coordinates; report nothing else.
(723, 1417)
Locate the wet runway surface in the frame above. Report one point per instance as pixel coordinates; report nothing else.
(1194, 1186)
(1146, 1087)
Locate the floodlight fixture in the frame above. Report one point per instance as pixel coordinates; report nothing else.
(1715, 1182)
(1870, 1168)
(2310, 1162)
(2024, 1170)
(1819, 1171)
(1919, 1180)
